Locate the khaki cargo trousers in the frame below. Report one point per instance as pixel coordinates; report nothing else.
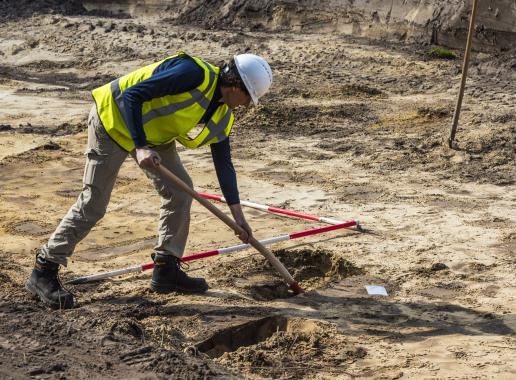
(103, 160)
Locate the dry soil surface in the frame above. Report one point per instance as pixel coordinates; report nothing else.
(351, 129)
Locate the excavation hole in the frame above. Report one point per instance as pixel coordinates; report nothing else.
(312, 269)
(255, 277)
(253, 332)
(270, 290)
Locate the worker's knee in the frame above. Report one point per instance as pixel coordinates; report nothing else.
(170, 193)
(91, 205)
(172, 198)
(188, 181)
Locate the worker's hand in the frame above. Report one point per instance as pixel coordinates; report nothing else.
(147, 158)
(247, 233)
(238, 215)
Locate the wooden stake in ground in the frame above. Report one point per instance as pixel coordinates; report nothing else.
(233, 225)
(451, 139)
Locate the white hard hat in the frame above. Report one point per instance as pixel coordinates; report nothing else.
(255, 73)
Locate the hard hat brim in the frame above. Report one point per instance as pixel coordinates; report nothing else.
(245, 79)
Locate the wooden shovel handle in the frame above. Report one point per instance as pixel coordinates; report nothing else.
(233, 225)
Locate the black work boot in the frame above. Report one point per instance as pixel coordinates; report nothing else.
(45, 284)
(169, 277)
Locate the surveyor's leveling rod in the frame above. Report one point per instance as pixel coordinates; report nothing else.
(235, 227)
(277, 210)
(215, 252)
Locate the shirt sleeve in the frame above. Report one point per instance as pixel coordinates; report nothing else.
(221, 153)
(171, 77)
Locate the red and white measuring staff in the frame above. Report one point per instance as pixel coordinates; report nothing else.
(277, 210)
(215, 252)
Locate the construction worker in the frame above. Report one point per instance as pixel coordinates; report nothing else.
(143, 114)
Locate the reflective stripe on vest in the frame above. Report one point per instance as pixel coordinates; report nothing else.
(168, 118)
(215, 131)
(197, 96)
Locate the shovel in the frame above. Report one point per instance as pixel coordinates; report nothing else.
(234, 226)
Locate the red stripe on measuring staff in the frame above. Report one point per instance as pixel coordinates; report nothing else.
(211, 196)
(148, 266)
(315, 231)
(201, 255)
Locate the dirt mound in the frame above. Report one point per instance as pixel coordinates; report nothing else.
(436, 21)
(315, 268)
(257, 278)
(12, 9)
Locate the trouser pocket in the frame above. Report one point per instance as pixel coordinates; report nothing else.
(96, 170)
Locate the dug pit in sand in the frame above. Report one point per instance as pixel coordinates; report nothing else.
(275, 346)
(314, 269)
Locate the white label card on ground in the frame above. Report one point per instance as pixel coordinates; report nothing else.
(376, 290)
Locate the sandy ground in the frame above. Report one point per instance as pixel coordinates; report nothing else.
(352, 129)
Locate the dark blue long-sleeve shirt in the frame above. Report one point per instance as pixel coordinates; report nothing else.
(175, 76)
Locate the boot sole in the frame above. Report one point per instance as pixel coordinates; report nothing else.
(174, 288)
(37, 294)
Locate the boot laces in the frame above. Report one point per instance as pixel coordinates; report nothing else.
(58, 277)
(56, 282)
(179, 262)
(183, 265)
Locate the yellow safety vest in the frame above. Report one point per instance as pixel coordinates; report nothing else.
(168, 118)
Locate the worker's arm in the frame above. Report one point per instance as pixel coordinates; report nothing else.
(221, 153)
(238, 215)
(174, 76)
